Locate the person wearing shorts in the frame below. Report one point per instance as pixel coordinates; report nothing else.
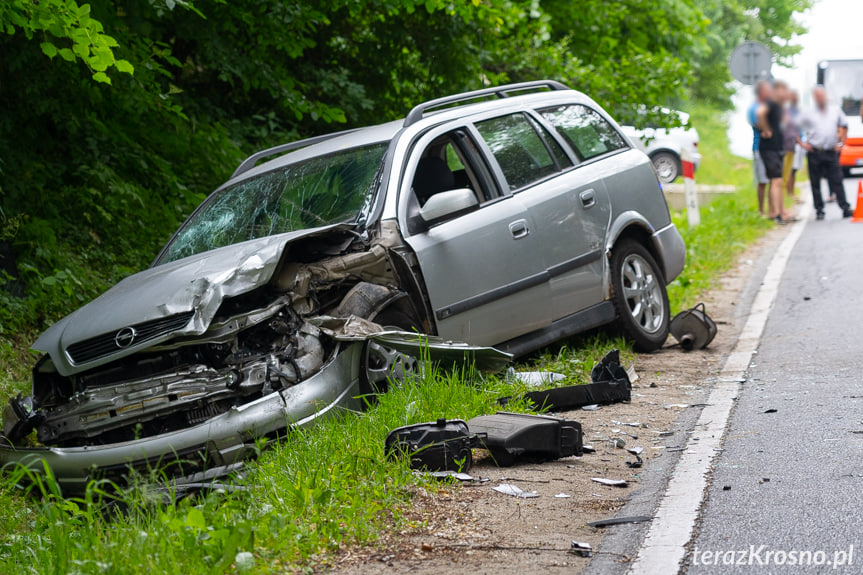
(771, 147)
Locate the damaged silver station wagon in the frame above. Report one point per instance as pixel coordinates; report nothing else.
(509, 217)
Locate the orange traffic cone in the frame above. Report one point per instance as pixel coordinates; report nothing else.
(858, 210)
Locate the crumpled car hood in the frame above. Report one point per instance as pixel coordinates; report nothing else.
(195, 284)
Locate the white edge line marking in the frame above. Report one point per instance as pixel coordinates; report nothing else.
(664, 546)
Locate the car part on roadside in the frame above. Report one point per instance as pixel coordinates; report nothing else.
(620, 521)
(693, 328)
(611, 482)
(459, 476)
(443, 445)
(581, 549)
(509, 436)
(534, 378)
(636, 451)
(509, 489)
(609, 384)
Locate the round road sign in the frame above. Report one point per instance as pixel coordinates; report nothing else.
(751, 62)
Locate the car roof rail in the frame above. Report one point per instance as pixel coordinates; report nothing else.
(250, 162)
(416, 114)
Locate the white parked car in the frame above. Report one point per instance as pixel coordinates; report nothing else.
(664, 146)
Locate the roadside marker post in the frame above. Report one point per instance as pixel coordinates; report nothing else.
(691, 194)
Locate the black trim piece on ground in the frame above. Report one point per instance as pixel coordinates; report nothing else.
(517, 286)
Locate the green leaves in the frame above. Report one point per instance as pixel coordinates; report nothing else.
(65, 23)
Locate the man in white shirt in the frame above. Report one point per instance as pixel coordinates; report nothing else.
(825, 127)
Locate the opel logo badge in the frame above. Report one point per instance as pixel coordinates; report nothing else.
(125, 337)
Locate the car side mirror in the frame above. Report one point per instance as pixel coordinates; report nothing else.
(448, 203)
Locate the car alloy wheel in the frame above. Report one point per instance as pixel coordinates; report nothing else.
(643, 293)
(639, 295)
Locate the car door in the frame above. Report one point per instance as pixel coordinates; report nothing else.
(595, 143)
(483, 270)
(571, 211)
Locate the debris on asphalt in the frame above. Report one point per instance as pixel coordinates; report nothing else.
(611, 482)
(610, 383)
(771, 410)
(764, 480)
(586, 448)
(509, 436)
(693, 328)
(617, 442)
(726, 488)
(442, 445)
(562, 496)
(510, 489)
(582, 549)
(591, 407)
(620, 521)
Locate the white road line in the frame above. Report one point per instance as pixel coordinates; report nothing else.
(664, 546)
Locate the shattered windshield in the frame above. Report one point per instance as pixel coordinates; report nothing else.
(317, 192)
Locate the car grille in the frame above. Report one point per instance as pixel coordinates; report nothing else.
(105, 344)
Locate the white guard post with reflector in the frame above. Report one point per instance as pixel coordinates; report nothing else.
(689, 191)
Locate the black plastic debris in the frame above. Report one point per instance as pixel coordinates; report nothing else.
(443, 445)
(620, 521)
(693, 328)
(582, 549)
(609, 384)
(636, 451)
(509, 436)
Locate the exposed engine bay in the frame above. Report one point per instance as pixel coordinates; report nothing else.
(326, 288)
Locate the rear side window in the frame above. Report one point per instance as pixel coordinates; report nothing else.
(518, 149)
(588, 133)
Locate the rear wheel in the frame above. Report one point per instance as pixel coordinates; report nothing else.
(639, 295)
(667, 166)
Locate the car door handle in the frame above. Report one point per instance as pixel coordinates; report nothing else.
(588, 198)
(519, 229)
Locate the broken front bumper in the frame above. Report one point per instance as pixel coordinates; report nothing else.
(233, 436)
(222, 440)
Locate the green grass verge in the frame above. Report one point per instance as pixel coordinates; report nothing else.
(328, 486)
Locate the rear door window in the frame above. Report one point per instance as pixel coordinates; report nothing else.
(523, 156)
(589, 134)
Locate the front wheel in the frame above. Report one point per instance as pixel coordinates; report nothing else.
(639, 296)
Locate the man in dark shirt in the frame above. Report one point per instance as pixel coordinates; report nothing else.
(772, 151)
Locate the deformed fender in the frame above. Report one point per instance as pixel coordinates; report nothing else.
(224, 439)
(667, 242)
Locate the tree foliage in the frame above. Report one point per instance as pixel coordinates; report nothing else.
(117, 117)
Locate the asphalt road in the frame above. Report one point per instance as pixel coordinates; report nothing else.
(787, 489)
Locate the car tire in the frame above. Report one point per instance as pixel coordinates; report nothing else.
(667, 165)
(639, 295)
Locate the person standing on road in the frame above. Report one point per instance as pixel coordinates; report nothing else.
(770, 146)
(761, 181)
(825, 128)
(793, 159)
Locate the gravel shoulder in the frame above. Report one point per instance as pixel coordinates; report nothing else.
(473, 529)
